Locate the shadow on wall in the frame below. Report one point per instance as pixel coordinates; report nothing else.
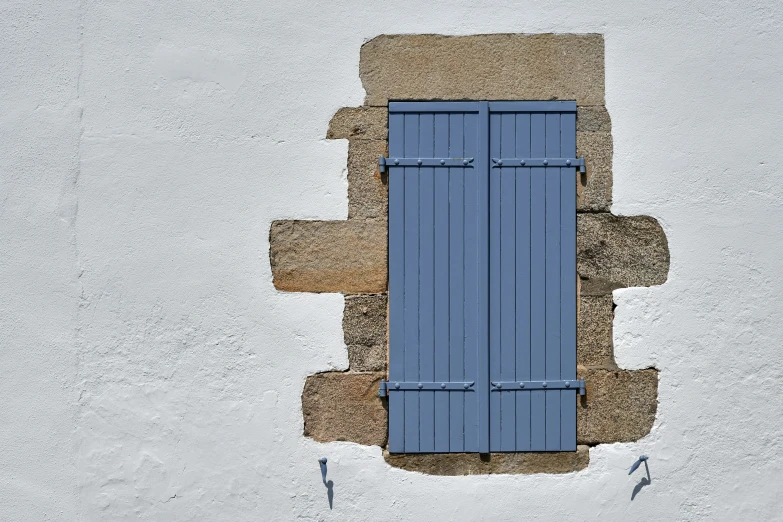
(330, 493)
(329, 484)
(646, 481)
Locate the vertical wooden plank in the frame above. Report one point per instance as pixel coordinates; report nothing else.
(522, 280)
(426, 284)
(482, 252)
(396, 285)
(475, 401)
(537, 283)
(507, 284)
(411, 284)
(457, 204)
(441, 260)
(553, 282)
(494, 282)
(568, 282)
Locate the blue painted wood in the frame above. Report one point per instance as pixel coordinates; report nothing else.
(441, 282)
(421, 107)
(426, 284)
(482, 268)
(532, 106)
(537, 283)
(396, 289)
(435, 238)
(456, 272)
(568, 303)
(507, 288)
(493, 106)
(475, 305)
(534, 291)
(411, 285)
(552, 233)
(482, 277)
(522, 282)
(495, 344)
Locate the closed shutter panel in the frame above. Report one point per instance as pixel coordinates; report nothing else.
(532, 335)
(438, 254)
(482, 276)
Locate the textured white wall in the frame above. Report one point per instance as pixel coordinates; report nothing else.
(148, 368)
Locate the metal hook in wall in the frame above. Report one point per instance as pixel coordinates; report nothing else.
(636, 464)
(322, 462)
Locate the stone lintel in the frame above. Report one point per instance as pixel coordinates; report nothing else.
(483, 67)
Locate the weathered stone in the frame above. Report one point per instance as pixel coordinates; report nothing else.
(363, 358)
(344, 406)
(494, 463)
(368, 194)
(593, 118)
(368, 123)
(594, 331)
(620, 251)
(484, 67)
(619, 405)
(595, 193)
(329, 256)
(364, 319)
(598, 286)
(364, 330)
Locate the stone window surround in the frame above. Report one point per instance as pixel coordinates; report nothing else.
(350, 256)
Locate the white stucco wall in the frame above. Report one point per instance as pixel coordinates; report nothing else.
(148, 368)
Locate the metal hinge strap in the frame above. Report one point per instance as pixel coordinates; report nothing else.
(576, 384)
(540, 162)
(424, 162)
(468, 162)
(389, 386)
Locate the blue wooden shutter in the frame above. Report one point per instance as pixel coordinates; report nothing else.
(438, 251)
(532, 276)
(482, 276)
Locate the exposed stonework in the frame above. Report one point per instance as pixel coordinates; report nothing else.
(364, 319)
(368, 195)
(329, 256)
(492, 464)
(594, 192)
(617, 251)
(594, 331)
(364, 328)
(344, 406)
(484, 67)
(593, 118)
(367, 123)
(350, 256)
(619, 405)
(363, 358)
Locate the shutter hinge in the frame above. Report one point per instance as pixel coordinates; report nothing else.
(540, 162)
(390, 386)
(465, 162)
(384, 163)
(576, 384)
